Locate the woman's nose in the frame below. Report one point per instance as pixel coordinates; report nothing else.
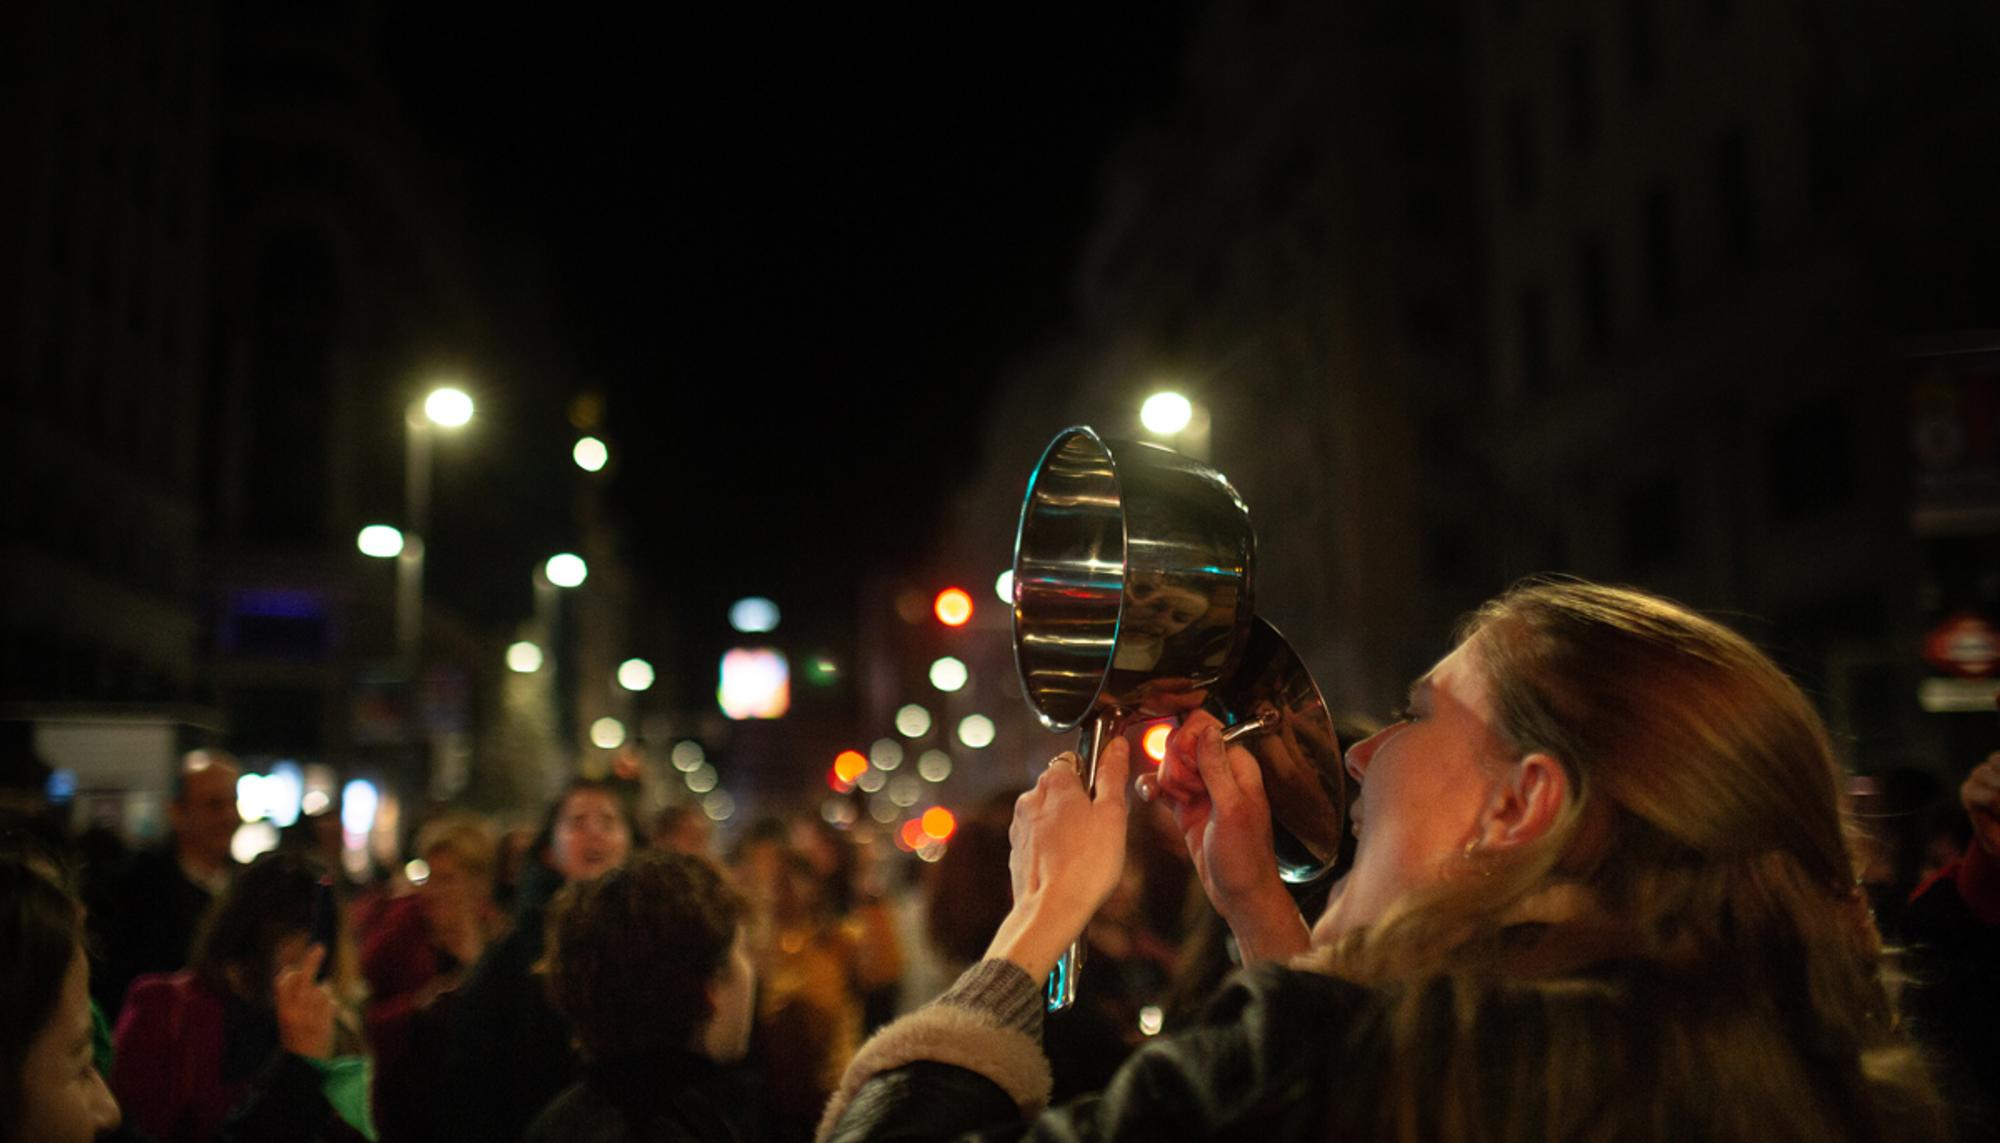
(1359, 754)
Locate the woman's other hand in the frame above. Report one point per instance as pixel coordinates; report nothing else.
(1068, 852)
(305, 1008)
(1217, 795)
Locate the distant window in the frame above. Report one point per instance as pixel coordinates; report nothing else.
(1579, 97)
(1532, 318)
(1656, 235)
(1642, 48)
(1522, 160)
(1735, 207)
(1593, 288)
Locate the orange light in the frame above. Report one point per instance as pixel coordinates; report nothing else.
(953, 607)
(1154, 741)
(912, 835)
(939, 823)
(835, 782)
(849, 765)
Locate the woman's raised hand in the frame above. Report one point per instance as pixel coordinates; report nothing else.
(1217, 796)
(305, 1008)
(1069, 850)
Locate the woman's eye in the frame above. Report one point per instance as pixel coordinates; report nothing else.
(1402, 714)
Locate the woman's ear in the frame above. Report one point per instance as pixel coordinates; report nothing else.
(1526, 804)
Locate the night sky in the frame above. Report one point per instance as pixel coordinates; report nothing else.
(794, 250)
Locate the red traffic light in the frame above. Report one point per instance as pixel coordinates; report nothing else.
(953, 607)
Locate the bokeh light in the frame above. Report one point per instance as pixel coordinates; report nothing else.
(635, 675)
(566, 569)
(720, 806)
(1154, 741)
(871, 780)
(686, 755)
(590, 454)
(939, 823)
(608, 733)
(905, 790)
(524, 658)
(380, 541)
(850, 765)
(702, 778)
(1004, 587)
(976, 731)
(448, 406)
(1165, 414)
(886, 754)
(949, 674)
(934, 765)
(953, 607)
(753, 615)
(913, 721)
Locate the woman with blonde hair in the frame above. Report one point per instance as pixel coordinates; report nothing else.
(1602, 890)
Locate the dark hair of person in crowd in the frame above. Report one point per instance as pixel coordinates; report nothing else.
(235, 950)
(49, 1084)
(632, 953)
(968, 891)
(40, 928)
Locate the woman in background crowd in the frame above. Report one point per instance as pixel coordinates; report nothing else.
(510, 1051)
(247, 1030)
(650, 966)
(50, 1089)
(417, 952)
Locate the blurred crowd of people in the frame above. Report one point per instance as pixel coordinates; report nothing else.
(602, 978)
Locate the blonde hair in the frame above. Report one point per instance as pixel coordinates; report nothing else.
(1702, 850)
(466, 836)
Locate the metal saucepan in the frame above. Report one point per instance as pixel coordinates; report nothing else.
(1133, 591)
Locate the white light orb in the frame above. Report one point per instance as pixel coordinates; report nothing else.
(931, 851)
(416, 871)
(1004, 587)
(871, 780)
(253, 840)
(949, 674)
(250, 797)
(566, 569)
(524, 658)
(886, 754)
(753, 615)
(719, 806)
(687, 754)
(380, 541)
(608, 733)
(359, 800)
(1165, 414)
(905, 790)
(934, 765)
(590, 454)
(913, 721)
(448, 407)
(635, 675)
(702, 778)
(976, 731)
(883, 810)
(1151, 1020)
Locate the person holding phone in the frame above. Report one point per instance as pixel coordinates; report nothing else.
(248, 1042)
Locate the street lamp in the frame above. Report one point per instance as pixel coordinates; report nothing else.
(445, 407)
(1176, 422)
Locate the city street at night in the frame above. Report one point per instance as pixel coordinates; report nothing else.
(1420, 569)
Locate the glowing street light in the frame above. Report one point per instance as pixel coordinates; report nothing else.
(913, 721)
(976, 731)
(635, 675)
(753, 615)
(953, 607)
(524, 658)
(949, 674)
(380, 541)
(1165, 414)
(1004, 587)
(608, 733)
(566, 569)
(590, 454)
(448, 406)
